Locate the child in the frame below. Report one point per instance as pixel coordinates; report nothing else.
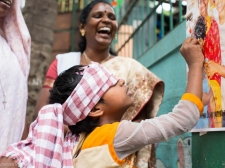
(105, 141)
(113, 143)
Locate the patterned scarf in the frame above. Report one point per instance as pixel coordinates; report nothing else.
(46, 145)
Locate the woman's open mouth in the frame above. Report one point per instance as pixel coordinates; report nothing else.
(104, 31)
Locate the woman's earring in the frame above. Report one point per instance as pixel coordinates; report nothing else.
(116, 36)
(82, 32)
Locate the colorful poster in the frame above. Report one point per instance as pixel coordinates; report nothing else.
(205, 20)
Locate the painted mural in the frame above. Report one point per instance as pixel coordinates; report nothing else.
(205, 20)
(174, 153)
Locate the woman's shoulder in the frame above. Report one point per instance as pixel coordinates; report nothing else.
(67, 55)
(121, 59)
(67, 60)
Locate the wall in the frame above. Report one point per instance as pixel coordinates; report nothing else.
(63, 33)
(189, 150)
(165, 60)
(122, 36)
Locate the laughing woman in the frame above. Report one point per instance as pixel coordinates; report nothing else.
(14, 69)
(98, 27)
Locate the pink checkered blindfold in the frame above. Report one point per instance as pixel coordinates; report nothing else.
(95, 82)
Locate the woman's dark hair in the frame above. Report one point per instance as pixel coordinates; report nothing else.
(61, 90)
(83, 19)
(200, 28)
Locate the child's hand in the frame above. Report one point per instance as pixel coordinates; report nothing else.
(192, 52)
(206, 97)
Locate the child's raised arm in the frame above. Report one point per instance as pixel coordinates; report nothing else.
(192, 53)
(131, 136)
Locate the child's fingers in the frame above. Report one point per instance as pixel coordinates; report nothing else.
(194, 41)
(190, 41)
(192, 45)
(187, 41)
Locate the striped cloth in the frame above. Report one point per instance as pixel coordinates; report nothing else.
(46, 145)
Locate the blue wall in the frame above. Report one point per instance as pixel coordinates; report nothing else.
(165, 60)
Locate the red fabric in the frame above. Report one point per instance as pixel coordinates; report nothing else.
(51, 75)
(52, 70)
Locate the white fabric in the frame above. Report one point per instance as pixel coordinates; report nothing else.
(131, 137)
(14, 68)
(13, 81)
(99, 155)
(67, 60)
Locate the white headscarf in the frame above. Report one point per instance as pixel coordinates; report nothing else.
(14, 68)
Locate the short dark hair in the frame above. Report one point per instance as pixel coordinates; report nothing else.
(83, 19)
(65, 84)
(61, 90)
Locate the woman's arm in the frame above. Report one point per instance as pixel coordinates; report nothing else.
(25, 130)
(42, 99)
(44, 94)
